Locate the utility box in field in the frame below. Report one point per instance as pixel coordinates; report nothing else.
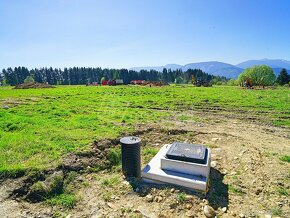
(182, 164)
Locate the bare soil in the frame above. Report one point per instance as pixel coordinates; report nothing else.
(246, 175)
(152, 83)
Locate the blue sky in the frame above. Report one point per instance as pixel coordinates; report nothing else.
(128, 33)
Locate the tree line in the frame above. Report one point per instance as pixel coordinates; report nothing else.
(85, 75)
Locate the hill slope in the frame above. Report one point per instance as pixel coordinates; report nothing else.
(224, 69)
(216, 68)
(212, 67)
(273, 63)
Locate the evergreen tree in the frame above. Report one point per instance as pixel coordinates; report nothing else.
(283, 78)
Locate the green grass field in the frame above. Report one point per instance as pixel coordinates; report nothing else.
(42, 125)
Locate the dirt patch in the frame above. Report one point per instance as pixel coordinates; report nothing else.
(33, 85)
(155, 84)
(96, 156)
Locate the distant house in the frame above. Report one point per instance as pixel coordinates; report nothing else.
(111, 82)
(137, 82)
(105, 82)
(119, 81)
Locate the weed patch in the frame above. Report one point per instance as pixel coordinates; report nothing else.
(181, 197)
(235, 190)
(114, 156)
(65, 200)
(283, 191)
(285, 158)
(276, 211)
(149, 153)
(110, 182)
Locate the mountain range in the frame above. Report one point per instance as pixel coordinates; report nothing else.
(224, 69)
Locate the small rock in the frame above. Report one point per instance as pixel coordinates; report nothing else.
(126, 183)
(233, 213)
(162, 194)
(213, 164)
(268, 216)
(224, 209)
(188, 197)
(243, 151)
(172, 190)
(258, 191)
(208, 211)
(188, 206)
(173, 205)
(235, 158)
(224, 172)
(242, 215)
(260, 199)
(158, 199)
(5, 107)
(189, 214)
(149, 198)
(111, 205)
(215, 139)
(279, 203)
(172, 210)
(68, 216)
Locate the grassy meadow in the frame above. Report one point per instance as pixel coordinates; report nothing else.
(42, 125)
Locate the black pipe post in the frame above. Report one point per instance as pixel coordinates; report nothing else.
(131, 160)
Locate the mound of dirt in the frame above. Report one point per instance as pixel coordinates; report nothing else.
(33, 85)
(149, 83)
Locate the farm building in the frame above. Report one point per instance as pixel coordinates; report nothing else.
(92, 84)
(112, 82)
(119, 82)
(104, 82)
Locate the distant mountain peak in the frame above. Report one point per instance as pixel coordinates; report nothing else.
(218, 68)
(274, 63)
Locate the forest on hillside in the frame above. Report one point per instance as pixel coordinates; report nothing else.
(85, 75)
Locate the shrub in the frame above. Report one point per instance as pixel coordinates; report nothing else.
(258, 75)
